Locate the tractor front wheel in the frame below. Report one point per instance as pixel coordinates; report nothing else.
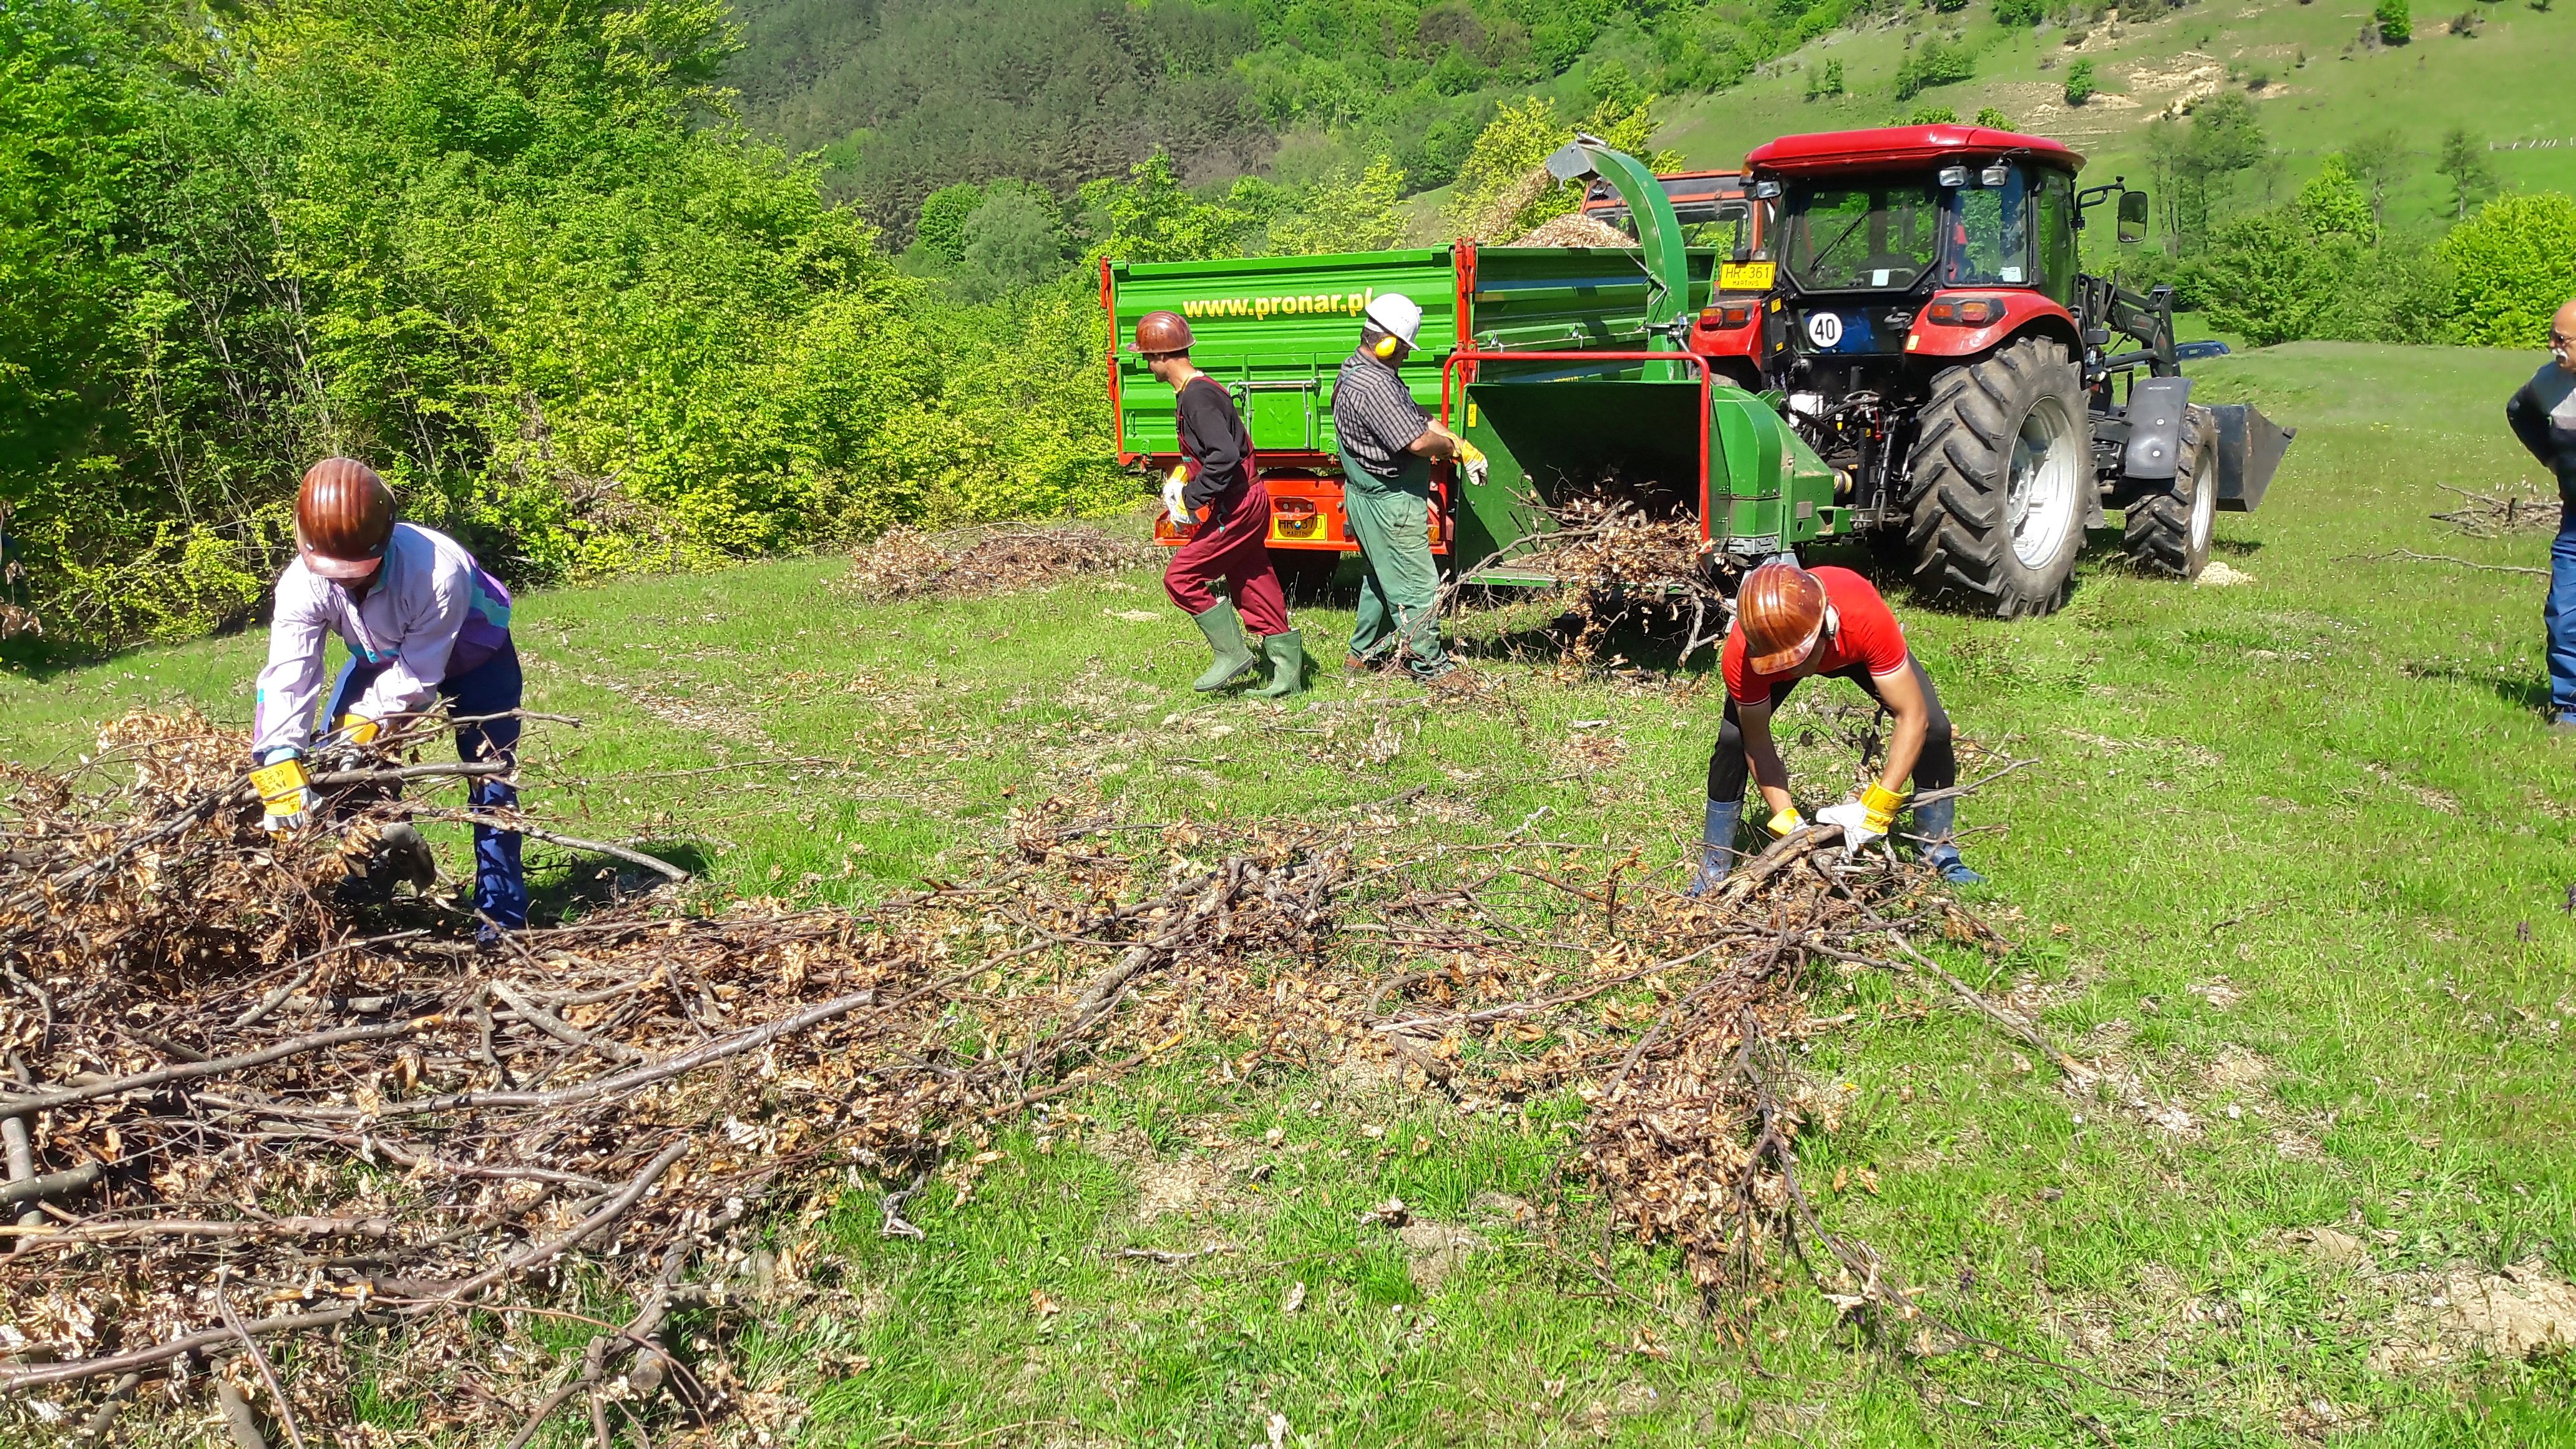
(1999, 478)
(2169, 532)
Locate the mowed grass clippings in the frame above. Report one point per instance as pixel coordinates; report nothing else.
(2295, 847)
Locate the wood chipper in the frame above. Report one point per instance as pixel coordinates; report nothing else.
(1570, 366)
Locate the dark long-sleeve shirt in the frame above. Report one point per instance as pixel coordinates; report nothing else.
(1215, 441)
(2543, 415)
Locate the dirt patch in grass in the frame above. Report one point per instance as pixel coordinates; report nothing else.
(2522, 1312)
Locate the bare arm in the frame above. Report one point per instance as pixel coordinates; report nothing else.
(1904, 699)
(1436, 442)
(1769, 775)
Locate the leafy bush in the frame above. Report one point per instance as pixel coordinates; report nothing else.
(1994, 119)
(2020, 12)
(2079, 83)
(2514, 263)
(524, 265)
(2396, 25)
(1935, 62)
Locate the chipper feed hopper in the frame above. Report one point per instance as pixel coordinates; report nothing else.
(1569, 366)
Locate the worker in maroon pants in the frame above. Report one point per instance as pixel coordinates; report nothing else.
(1215, 491)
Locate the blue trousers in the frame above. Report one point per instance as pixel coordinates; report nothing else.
(2560, 615)
(493, 687)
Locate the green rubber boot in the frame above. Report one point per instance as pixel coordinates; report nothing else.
(1287, 666)
(1224, 631)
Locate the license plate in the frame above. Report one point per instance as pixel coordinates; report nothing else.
(1745, 276)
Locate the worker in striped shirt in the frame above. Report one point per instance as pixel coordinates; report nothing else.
(1388, 444)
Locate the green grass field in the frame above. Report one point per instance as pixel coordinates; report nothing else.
(2291, 870)
(2321, 90)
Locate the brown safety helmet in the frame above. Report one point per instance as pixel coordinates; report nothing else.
(344, 517)
(1781, 608)
(1162, 333)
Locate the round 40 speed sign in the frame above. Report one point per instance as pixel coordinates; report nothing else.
(1825, 329)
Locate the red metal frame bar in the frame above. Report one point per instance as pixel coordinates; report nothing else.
(1470, 358)
(1117, 413)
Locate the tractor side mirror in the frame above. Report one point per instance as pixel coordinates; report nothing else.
(2133, 217)
(1766, 190)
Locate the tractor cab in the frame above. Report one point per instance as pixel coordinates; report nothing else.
(1916, 242)
(1940, 347)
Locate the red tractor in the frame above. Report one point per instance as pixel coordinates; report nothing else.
(1941, 348)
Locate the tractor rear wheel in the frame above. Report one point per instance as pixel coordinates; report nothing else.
(2000, 474)
(2169, 532)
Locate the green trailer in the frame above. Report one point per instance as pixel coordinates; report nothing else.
(1565, 364)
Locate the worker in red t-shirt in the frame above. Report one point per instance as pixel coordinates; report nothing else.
(1791, 623)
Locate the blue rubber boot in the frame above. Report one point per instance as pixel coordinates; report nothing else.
(1933, 823)
(1717, 847)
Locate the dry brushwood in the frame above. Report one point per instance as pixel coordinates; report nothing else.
(1613, 557)
(2493, 515)
(272, 1142)
(987, 559)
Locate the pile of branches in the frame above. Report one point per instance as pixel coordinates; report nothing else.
(266, 1147)
(987, 559)
(1616, 559)
(2494, 515)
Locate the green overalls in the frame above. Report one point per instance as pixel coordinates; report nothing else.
(1399, 580)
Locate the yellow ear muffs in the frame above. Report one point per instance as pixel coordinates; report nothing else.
(1386, 348)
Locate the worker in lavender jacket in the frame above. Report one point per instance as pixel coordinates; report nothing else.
(423, 622)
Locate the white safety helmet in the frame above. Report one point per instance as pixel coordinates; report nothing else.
(1396, 315)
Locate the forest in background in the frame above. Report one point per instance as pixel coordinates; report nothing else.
(607, 285)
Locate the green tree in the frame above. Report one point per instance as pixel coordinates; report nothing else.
(1345, 210)
(2463, 162)
(2079, 83)
(941, 231)
(2514, 263)
(2396, 24)
(1994, 119)
(1936, 62)
(1153, 218)
(2378, 161)
(1014, 241)
(2333, 203)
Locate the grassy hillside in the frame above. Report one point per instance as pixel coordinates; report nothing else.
(2290, 870)
(942, 83)
(2323, 88)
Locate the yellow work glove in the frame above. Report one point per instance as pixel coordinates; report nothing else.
(1784, 822)
(1470, 454)
(285, 792)
(1882, 805)
(357, 729)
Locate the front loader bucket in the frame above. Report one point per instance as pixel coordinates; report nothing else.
(2250, 446)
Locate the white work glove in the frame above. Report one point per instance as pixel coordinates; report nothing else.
(1865, 819)
(285, 791)
(1853, 817)
(1172, 504)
